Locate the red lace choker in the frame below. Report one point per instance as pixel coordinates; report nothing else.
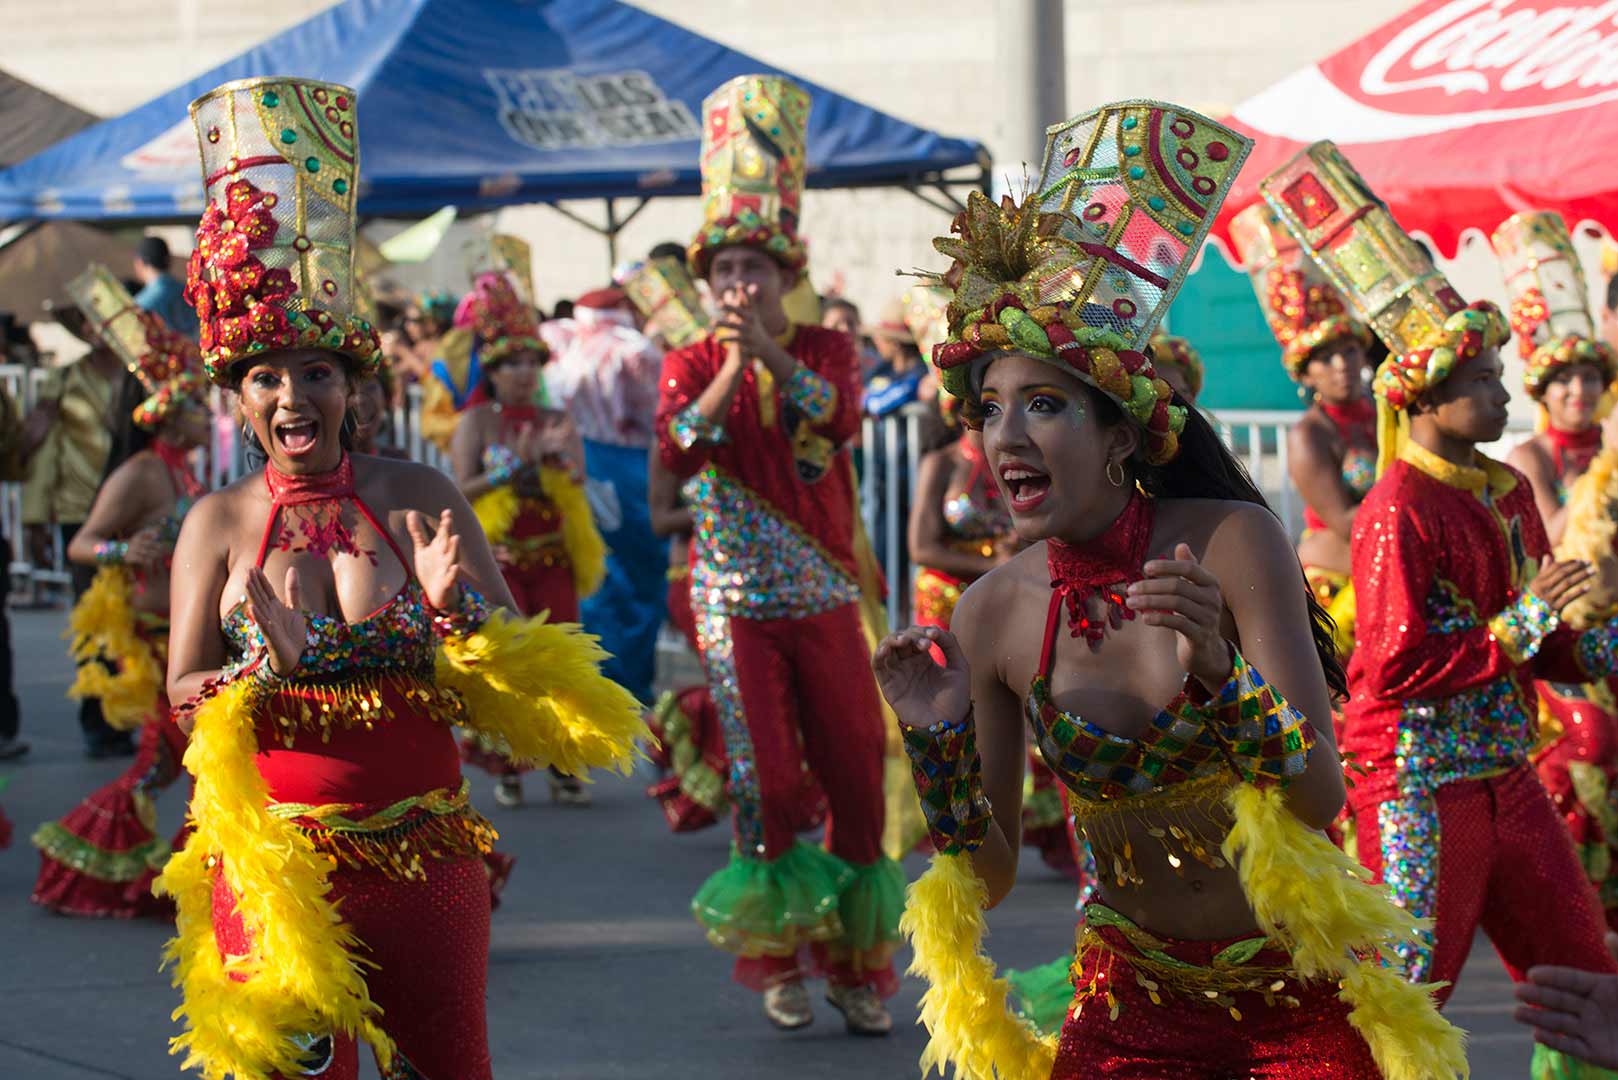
(1355, 413)
(179, 467)
(318, 487)
(1102, 568)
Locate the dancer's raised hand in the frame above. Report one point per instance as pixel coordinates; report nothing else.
(437, 558)
(921, 691)
(283, 625)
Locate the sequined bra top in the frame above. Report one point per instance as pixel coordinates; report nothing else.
(397, 637)
(976, 512)
(1097, 765)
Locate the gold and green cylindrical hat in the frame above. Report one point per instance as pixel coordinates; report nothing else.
(1387, 278)
(1550, 301)
(167, 363)
(1304, 311)
(502, 253)
(1081, 271)
(666, 295)
(274, 263)
(754, 131)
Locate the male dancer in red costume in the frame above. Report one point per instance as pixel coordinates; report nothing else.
(755, 416)
(1458, 608)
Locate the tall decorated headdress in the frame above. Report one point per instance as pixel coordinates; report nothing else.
(1550, 306)
(666, 295)
(501, 323)
(753, 165)
(1169, 351)
(274, 263)
(502, 253)
(1083, 269)
(1387, 278)
(1304, 310)
(168, 364)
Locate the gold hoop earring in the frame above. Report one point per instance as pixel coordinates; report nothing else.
(1119, 482)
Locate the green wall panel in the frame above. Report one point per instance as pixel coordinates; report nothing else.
(1217, 313)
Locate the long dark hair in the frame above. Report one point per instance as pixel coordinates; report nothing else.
(1205, 468)
(128, 437)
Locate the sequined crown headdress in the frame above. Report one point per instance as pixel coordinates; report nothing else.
(1550, 309)
(666, 295)
(501, 322)
(753, 165)
(1082, 270)
(1304, 310)
(502, 253)
(167, 364)
(274, 262)
(1384, 275)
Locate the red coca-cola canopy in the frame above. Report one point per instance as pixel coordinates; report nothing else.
(1459, 113)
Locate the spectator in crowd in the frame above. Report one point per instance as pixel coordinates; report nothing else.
(160, 291)
(839, 313)
(563, 310)
(896, 380)
(66, 439)
(604, 376)
(668, 249)
(416, 338)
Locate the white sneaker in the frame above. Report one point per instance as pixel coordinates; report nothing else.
(863, 1012)
(787, 1006)
(508, 792)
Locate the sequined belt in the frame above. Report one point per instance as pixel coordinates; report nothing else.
(398, 837)
(1221, 970)
(545, 549)
(1477, 733)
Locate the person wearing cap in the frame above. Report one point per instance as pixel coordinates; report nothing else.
(755, 419)
(896, 381)
(1572, 466)
(100, 859)
(68, 435)
(160, 291)
(1460, 606)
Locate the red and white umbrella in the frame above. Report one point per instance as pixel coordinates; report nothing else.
(1459, 113)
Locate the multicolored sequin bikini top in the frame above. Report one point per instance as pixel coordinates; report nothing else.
(1097, 765)
(977, 512)
(396, 638)
(1356, 426)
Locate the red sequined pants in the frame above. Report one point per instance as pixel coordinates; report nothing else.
(431, 942)
(1489, 852)
(1190, 1040)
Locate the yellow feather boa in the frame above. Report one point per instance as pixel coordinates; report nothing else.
(301, 975)
(586, 551)
(1306, 894)
(496, 511)
(536, 688)
(102, 626)
(1592, 526)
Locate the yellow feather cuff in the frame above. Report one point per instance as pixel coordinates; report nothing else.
(586, 551)
(964, 1007)
(102, 628)
(301, 975)
(1319, 903)
(496, 510)
(536, 688)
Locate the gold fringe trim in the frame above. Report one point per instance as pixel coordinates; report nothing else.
(582, 540)
(399, 839)
(102, 630)
(302, 974)
(1592, 526)
(965, 1008)
(535, 688)
(1318, 904)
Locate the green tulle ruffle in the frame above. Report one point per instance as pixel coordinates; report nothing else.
(756, 908)
(871, 904)
(1044, 993)
(1548, 1064)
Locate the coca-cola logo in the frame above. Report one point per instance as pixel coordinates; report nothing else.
(1512, 54)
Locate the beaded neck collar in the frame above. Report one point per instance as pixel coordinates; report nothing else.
(288, 490)
(1101, 568)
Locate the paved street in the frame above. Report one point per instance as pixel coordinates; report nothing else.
(597, 972)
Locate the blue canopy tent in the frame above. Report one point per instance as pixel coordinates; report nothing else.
(481, 104)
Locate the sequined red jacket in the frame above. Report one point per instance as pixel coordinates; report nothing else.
(771, 482)
(1444, 656)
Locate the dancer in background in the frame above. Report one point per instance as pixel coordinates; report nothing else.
(521, 466)
(1331, 450)
(329, 632)
(1575, 484)
(1459, 605)
(1228, 937)
(1179, 365)
(753, 419)
(100, 860)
